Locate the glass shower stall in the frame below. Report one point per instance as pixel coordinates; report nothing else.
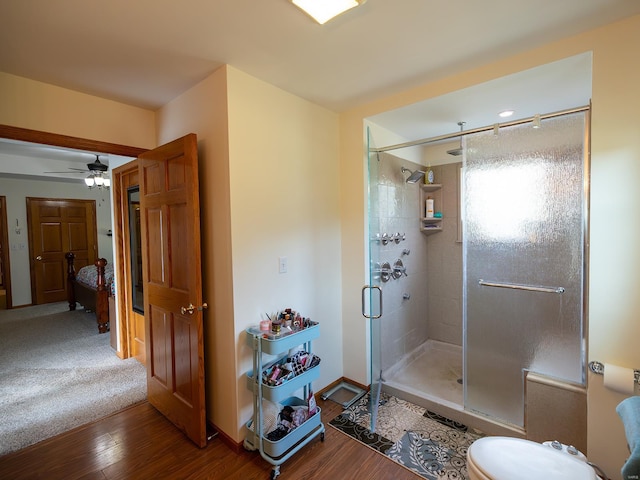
(524, 205)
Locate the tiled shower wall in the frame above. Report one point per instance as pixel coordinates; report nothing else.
(433, 266)
(444, 261)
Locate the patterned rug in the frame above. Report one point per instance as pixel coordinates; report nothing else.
(430, 445)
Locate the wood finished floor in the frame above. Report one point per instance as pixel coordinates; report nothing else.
(139, 443)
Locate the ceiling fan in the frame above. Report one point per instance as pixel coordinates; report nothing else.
(94, 168)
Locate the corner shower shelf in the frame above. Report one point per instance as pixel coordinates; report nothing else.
(431, 187)
(429, 225)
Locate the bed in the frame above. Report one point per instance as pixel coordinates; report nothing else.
(91, 287)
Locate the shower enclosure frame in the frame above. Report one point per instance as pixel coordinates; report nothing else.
(586, 200)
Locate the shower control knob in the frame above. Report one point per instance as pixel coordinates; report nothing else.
(572, 450)
(399, 269)
(556, 444)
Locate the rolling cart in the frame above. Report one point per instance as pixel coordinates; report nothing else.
(278, 452)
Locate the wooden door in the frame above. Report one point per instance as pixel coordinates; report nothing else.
(58, 226)
(170, 224)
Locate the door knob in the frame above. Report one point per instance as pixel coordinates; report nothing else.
(192, 308)
(39, 257)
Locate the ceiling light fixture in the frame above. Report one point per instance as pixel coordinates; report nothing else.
(324, 10)
(97, 179)
(506, 113)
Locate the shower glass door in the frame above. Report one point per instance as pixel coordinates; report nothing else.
(372, 293)
(524, 210)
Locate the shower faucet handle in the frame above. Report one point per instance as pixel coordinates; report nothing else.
(399, 269)
(382, 271)
(397, 237)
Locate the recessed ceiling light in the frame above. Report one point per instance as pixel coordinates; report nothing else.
(506, 113)
(324, 10)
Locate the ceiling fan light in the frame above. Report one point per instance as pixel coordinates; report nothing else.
(324, 10)
(99, 181)
(89, 181)
(107, 182)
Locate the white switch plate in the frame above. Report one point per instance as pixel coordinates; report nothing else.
(282, 264)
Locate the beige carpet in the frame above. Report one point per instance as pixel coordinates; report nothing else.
(57, 373)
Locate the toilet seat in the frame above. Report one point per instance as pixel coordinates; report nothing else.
(506, 458)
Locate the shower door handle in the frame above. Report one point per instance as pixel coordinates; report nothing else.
(364, 314)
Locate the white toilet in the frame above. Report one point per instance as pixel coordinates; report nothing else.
(506, 458)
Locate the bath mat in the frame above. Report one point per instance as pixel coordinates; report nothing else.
(430, 445)
(446, 421)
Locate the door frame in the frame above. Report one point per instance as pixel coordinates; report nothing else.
(4, 242)
(57, 140)
(120, 182)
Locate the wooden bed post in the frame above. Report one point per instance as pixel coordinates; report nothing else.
(71, 276)
(102, 298)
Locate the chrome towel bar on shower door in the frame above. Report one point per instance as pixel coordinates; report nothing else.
(515, 286)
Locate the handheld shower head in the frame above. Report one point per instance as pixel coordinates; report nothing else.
(414, 176)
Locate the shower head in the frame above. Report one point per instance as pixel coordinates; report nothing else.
(457, 151)
(415, 176)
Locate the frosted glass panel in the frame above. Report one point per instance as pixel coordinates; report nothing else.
(523, 226)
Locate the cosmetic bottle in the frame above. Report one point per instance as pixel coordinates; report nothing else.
(429, 207)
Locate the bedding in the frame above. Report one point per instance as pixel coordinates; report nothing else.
(88, 276)
(82, 288)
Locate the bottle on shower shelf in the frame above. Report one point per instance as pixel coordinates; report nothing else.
(428, 178)
(429, 207)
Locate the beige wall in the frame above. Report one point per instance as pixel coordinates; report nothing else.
(614, 279)
(35, 105)
(284, 173)
(39, 106)
(269, 188)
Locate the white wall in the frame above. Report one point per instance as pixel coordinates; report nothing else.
(16, 190)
